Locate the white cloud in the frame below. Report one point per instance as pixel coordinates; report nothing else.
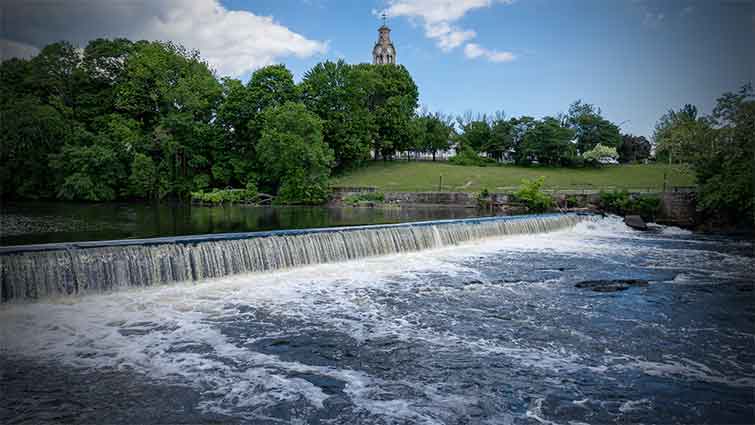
(12, 49)
(232, 41)
(474, 51)
(438, 18)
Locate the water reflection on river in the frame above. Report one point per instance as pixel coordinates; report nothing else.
(47, 222)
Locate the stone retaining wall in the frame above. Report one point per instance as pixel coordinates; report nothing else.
(678, 207)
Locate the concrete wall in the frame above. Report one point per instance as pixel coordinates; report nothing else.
(678, 208)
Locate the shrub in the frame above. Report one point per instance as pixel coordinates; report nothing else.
(531, 195)
(575, 201)
(621, 203)
(364, 197)
(227, 196)
(483, 200)
(468, 157)
(300, 189)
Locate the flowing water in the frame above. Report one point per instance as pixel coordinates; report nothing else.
(490, 331)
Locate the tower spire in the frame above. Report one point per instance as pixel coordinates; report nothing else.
(384, 51)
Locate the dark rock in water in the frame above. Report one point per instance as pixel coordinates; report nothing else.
(745, 287)
(610, 285)
(635, 222)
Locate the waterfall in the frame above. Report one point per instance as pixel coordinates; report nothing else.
(33, 272)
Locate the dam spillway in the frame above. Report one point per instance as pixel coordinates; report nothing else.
(52, 270)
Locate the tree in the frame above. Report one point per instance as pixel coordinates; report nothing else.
(30, 132)
(174, 96)
(548, 143)
(390, 95)
(600, 153)
(297, 160)
(501, 140)
(475, 134)
(590, 127)
(329, 90)
(726, 165)
(435, 131)
(634, 148)
(672, 144)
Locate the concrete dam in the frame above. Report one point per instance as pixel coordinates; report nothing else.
(32, 272)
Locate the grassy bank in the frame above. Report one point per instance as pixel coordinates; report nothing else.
(425, 176)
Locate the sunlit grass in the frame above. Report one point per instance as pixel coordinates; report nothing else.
(428, 176)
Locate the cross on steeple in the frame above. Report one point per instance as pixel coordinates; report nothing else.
(385, 19)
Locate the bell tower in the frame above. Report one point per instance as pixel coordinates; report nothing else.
(384, 52)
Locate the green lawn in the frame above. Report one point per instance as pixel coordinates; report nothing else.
(401, 176)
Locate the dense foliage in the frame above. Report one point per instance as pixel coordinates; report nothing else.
(531, 195)
(622, 203)
(720, 148)
(147, 120)
(121, 119)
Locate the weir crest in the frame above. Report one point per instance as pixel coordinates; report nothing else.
(42, 271)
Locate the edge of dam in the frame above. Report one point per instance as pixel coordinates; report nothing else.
(213, 237)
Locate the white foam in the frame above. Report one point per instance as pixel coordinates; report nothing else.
(145, 329)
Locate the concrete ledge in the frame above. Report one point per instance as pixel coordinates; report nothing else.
(193, 239)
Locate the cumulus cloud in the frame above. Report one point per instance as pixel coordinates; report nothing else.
(439, 18)
(232, 41)
(474, 51)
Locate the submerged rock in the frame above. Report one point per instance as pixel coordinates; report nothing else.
(635, 222)
(610, 285)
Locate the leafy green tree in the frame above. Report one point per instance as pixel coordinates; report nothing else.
(600, 153)
(30, 132)
(297, 160)
(434, 134)
(390, 96)
(634, 148)
(174, 96)
(590, 127)
(90, 173)
(671, 134)
(726, 164)
(501, 139)
(331, 91)
(548, 143)
(475, 134)
(145, 181)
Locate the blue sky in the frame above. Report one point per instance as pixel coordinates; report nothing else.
(633, 58)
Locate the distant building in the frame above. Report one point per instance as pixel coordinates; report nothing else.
(384, 52)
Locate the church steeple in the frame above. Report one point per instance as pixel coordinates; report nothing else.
(384, 51)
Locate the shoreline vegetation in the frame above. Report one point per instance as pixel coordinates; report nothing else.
(121, 121)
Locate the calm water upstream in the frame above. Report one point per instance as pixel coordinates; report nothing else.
(492, 332)
(47, 222)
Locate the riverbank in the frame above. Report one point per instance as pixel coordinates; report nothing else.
(425, 176)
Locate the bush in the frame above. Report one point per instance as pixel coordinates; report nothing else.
(300, 189)
(531, 195)
(468, 157)
(227, 196)
(600, 153)
(364, 197)
(621, 203)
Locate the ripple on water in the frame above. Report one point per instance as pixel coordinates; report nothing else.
(492, 332)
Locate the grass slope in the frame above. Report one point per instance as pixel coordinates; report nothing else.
(400, 176)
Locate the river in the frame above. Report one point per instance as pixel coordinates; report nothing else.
(490, 332)
(23, 223)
